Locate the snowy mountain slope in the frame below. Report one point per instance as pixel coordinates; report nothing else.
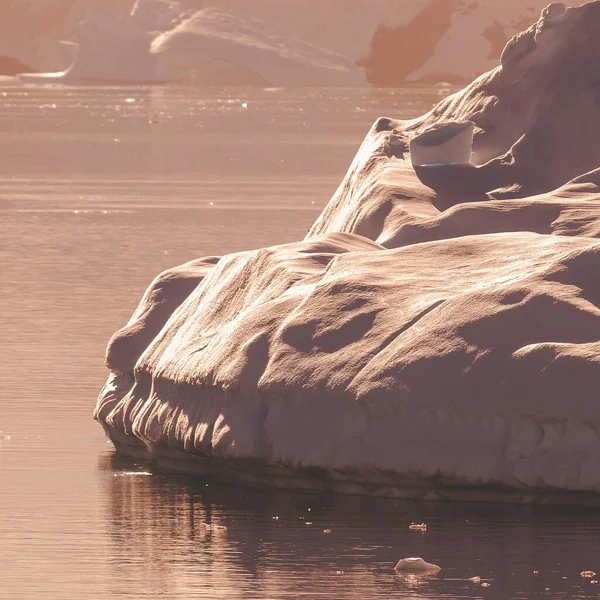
(404, 40)
(250, 49)
(396, 41)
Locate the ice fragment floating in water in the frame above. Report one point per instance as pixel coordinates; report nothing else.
(415, 564)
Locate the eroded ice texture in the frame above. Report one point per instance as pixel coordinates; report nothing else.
(415, 339)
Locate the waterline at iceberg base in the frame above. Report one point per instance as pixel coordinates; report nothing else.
(435, 335)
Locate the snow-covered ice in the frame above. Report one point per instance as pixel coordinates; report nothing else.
(416, 343)
(443, 143)
(224, 47)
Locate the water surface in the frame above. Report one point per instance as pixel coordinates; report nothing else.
(101, 188)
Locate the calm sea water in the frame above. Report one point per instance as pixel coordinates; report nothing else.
(100, 189)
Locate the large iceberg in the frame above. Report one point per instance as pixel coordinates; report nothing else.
(437, 333)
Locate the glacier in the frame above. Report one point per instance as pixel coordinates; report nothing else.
(437, 332)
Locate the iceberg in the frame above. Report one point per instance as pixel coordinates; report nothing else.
(224, 47)
(159, 43)
(109, 48)
(32, 31)
(423, 341)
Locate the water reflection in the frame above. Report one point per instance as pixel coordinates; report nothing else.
(183, 536)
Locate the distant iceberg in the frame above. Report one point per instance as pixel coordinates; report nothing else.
(425, 341)
(224, 47)
(422, 41)
(211, 46)
(109, 48)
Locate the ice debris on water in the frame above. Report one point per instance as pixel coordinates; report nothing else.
(588, 574)
(211, 527)
(418, 526)
(415, 564)
(326, 530)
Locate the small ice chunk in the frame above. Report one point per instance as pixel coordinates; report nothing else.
(326, 530)
(418, 526)
(449, 142)
(588, 574)
(415, 564)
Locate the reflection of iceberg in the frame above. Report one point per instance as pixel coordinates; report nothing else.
(212, 46)
(363, 360)
(216, 563)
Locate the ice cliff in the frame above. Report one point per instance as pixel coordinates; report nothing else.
(437, 333)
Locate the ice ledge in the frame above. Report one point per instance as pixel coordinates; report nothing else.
(366, 481)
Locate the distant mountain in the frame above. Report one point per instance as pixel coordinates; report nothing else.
(401, 41)
(395, 41)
